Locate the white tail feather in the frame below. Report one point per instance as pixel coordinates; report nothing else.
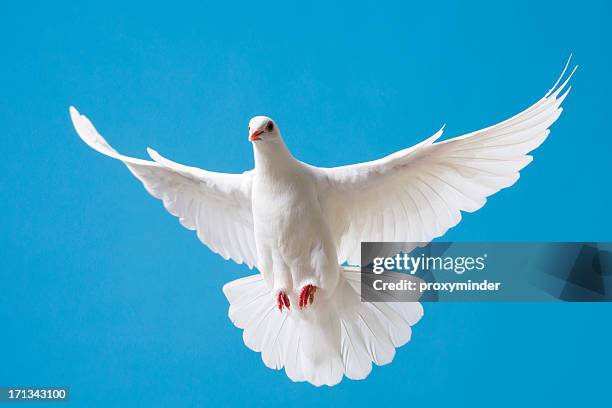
(334, 337)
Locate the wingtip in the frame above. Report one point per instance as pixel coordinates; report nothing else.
(565, 83)
(74, 113)
(556, 88)
(87, 132)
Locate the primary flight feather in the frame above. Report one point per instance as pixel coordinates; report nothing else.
(297, 223)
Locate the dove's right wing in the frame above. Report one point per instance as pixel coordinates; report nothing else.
(216, 205)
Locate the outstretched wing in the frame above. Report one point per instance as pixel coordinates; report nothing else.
(216, 205)
(417, 194)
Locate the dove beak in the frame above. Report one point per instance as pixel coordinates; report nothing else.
(255, 135)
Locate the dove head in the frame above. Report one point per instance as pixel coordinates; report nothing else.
(262, 129)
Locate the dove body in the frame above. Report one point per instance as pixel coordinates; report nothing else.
(294, 244)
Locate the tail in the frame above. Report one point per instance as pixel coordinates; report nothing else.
(339, 336)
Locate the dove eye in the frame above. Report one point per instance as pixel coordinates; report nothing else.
(270, 126)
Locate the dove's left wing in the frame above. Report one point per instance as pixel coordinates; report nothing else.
(417, 194)
(216, 205)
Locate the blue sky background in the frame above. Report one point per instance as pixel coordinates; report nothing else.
(101, 290)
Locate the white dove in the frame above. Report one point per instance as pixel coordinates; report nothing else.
(297, 224)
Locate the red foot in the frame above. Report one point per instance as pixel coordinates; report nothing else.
(307, 295)
(282, 300)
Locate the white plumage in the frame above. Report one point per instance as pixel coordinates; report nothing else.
(298, 223)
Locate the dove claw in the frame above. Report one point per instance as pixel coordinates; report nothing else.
(282, 300)
(307, 295)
